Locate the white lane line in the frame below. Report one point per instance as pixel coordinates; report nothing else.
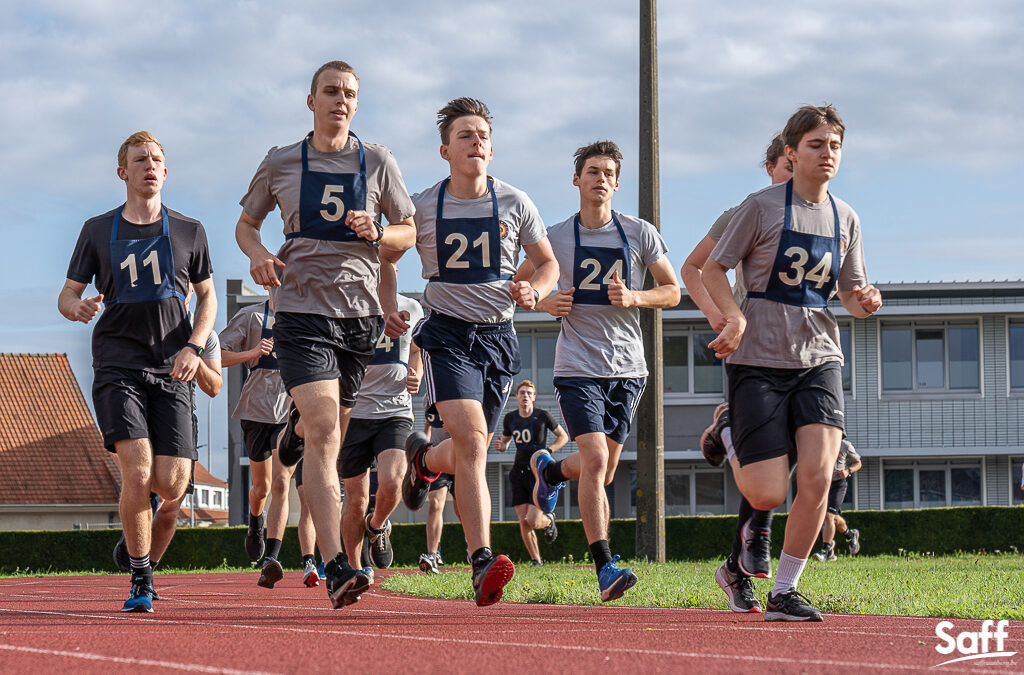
(191, 667)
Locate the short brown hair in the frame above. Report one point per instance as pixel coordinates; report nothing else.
(340, 66)
(598, 149)
(138, 138)
(525, 383)
(809, 118)
(776, 149)
(460, 107)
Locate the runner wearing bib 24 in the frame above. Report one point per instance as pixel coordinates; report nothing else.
(470, 228)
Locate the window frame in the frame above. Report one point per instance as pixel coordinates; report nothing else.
(690, 471)
(1011, 390)
(690, 395)
(933, 464)
(932, 323)
(1013, 485)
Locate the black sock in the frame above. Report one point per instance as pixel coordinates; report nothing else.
(553, 473)
(273, 548)
(308, 558)
(744, 513)
(140, 567)
(761, 520)
(481, 556)
(153, 564)
(255, 522)
(602, 553)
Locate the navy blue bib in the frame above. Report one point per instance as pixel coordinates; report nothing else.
(468, 249)
(388, 351)
(325, 198)
(806, 267)
(267, 361)
(593, 267)
(142, 269)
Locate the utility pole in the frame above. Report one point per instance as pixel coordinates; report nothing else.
(650, 445)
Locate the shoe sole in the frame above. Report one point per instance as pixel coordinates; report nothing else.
(349, 592)
(412, 498)
(619, 588)
(122, 563)
(782, 616)
(756, 575)
(722, 407)
(725, 586)
(262, 548)
(536, 480)
(270, 575)
(428, 568)
(311, 580)
(494, 582)
(138, 608)
(290, 457)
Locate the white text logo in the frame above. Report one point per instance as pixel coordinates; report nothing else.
(982, 644)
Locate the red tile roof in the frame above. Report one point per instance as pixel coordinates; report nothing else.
(202, 476)
(50, 449)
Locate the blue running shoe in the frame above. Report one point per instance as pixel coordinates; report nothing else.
(140, 599)
(368, 571)
(613, 581)
(545, 496)
(321, 571)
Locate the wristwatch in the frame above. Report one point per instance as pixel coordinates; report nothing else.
(536, 296)
(199, 350)
(380, 233)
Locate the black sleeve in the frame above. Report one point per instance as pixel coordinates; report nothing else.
(506, 426)
(550, 422)
(200, 268)
(84, 261)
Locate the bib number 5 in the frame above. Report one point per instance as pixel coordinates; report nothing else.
(819, 274)
(332, 199)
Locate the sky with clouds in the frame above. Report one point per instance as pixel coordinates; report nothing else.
(931, 94)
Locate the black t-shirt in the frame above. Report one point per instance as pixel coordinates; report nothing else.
(530, 434)
(140, 335)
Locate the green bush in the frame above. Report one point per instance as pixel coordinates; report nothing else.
(937, 531)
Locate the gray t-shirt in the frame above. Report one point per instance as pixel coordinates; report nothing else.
(603, 340)
(382, 393)
(739, 290)
(485, 302)
(330, 278)
(847, 458)
(780, 335)
(212, 349)
(263, 397)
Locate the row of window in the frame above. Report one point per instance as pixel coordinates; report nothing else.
(916, 357)
(206, 498)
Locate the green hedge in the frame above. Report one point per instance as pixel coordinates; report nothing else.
(687, 538)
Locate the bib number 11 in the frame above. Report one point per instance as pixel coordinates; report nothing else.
(152, 259)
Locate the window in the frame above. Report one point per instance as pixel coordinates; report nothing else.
(537, 353)
(689, 491)
(690, 367)
(571, 489)
(910, 485)
(1016, 493)
(1016, 344)
(204, 497)
(217, 498)
(933, 356)
(846, 343)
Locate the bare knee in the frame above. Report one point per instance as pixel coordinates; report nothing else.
(258, 492)
(279, 486)
(594, 464)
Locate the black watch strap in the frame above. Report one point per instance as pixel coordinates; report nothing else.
(199, 350)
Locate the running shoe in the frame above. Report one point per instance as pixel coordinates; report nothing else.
(140, 598)
(437, 558)
(290, 446)
(755, 555)
(711, 440)
(551, 531)
(368, 571)
(545, 496)
(121, 558)
(490, 575)
(853, 545)
(614, 582)
(416, 483)
(790, 606)
(310, 576)
(271, 573)
(739, 589)
(379, 541)
(254, 545)
(320, 570)
(827, 553)
(344, 584)
(428, 563)
(536, 563)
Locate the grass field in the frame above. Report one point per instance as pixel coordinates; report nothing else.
(987, 586)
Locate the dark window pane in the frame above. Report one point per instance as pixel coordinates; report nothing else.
(966, 486)
(896, 374)
(677, 371)
(845, 343)
(851, 488)
(899, 488)
(545, 365)
(1017, 493)
(1016, 355)
(933, 487)
(964, 368)
(710, 493)
(526, 355)
(677, 494)
(930, 358)
(707, 369)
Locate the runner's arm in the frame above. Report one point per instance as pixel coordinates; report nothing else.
(262, 263)
(74, 308)
(692, 274)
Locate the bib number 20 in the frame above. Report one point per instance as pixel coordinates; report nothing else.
(818, 275)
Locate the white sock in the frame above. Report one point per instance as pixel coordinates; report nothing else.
(788, 573)
(730, 451)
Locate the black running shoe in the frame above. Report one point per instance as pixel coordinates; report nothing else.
(416, 484)
(344, 584)
(536, 563)
(853, 545)
(272, 573)
(551, 531)
(121, 558)
(254, 545)
(490, 575)
(755, 555)
(711, 440)
(379, 541)
(739, 589)
(790, 606)
(289, 446)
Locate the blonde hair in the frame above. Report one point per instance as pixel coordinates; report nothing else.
(339, 66)
(138, 138)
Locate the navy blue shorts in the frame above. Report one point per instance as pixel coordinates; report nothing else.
(599, 404)
(298, 474)
(465, 360)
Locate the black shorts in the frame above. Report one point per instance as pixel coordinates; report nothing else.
(522, 481)
(445, 480)
(312, 348)
(365, 439)
(260, 439)
(836, 496)
(298, 474)
(768, 405)
(137, 404)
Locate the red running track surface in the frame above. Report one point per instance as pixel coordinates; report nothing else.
(224, 623)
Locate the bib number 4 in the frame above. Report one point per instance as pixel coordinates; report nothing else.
(818, 275)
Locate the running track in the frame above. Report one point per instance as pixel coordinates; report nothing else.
(224, 623)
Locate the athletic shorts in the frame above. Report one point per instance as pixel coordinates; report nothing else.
(365, 439)
(464, 360)
(445, 480)
(312, 348)
(768, 405)
(298, 474)
(522, 481)
(260, 439)
(836, 496)
(134, 403)
(599, 404)
(433, 419)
